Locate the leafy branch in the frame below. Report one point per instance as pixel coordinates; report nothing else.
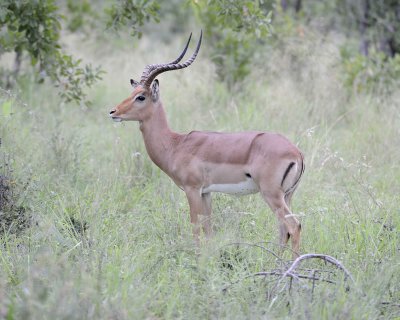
(33, 27)
(132, 13)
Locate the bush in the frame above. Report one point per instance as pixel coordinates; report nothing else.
(375, 73)
(33, 27)
(14, 218)
(132, 13)
(233, 29)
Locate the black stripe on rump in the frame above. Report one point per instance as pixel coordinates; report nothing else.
(287, 172)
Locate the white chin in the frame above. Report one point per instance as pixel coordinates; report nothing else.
(117, 119)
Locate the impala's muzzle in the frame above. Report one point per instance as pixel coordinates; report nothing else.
(115, 118)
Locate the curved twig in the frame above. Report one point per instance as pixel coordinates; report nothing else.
(280, 274)
(290, 270)
(324, 257)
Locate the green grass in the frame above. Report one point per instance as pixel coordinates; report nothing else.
(111, 237)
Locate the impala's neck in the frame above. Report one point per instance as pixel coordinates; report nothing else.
(159, 140)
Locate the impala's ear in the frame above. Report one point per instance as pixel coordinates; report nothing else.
(134, 83)
(155, 92)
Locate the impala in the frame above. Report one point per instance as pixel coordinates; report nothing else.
(204, 162)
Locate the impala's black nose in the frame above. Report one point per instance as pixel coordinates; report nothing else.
(112, 111)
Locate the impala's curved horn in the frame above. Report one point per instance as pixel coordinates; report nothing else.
(151, 67)
(148, 77)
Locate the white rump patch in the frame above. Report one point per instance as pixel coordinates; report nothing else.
(240, 189)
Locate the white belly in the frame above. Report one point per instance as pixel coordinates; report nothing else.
(240, 189)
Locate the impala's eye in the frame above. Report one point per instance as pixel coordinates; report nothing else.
(141, 98)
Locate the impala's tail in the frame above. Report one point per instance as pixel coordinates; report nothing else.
(300, 170)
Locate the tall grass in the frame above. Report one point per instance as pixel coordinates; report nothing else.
(110, 235)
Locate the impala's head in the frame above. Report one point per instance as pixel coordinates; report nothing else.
(139, 105)
(142, 102)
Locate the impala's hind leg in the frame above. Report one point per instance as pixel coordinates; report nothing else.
(289, 226)
(288, 199)
(206, 214)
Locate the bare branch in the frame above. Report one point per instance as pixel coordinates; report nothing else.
(289, 273)
(324, 257)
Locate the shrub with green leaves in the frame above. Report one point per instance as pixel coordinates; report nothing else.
(81, 16)
(33, 28)
(233, 29)
(132, 13)
(14, 217)
(375, 73)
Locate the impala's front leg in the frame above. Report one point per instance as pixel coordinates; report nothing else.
(197, 203)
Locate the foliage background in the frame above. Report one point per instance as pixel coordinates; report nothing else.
(90, 228)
